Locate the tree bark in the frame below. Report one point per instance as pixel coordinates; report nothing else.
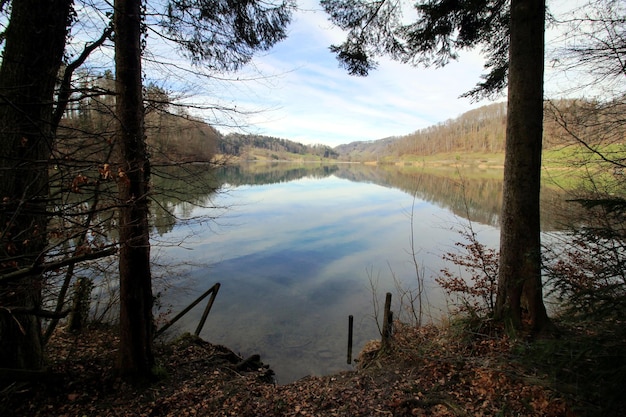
(35, 40)
(136, 328)
(520, 237)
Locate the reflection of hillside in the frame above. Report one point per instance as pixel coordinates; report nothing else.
(182, 188)
(476, 196)
(473, 196)
(272, 173)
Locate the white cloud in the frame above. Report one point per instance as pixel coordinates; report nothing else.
(298, 91)
(316, 101)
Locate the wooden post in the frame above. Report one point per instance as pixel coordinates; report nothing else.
(387, 321)
(213, 290)
(350, 324)
(207, 309)
(82, 298)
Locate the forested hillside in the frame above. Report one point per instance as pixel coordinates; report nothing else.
(174, 135)
(478, 130)
(366, 150)
(481, 130)
(171, 133)
(240, 145)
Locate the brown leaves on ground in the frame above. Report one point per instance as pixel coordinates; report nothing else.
(427, 372)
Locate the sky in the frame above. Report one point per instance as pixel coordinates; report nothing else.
(298, 91)
(305, 96)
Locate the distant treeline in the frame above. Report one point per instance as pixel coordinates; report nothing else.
(174, 135)
(482, 130)
(478, 130)
(237, 144)
(171, 133)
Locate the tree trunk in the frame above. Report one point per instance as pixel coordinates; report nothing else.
(35, 40)
(136, 332)
(520, 237)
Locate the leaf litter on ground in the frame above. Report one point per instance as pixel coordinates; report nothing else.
(426, 371)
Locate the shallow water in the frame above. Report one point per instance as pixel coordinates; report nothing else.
(296, 256)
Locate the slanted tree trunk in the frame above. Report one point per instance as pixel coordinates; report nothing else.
(35, 40)
(136, 332)
(520, 239)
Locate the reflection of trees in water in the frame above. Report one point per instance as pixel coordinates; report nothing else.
(177, 190)
(480, 199)
(272, 173)
(473, 196)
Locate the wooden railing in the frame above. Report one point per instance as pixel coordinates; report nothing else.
(213, 291)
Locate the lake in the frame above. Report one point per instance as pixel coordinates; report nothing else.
(299, 248)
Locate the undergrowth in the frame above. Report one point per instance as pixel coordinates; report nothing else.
(587, 365)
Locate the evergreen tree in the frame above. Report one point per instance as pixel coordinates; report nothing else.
(136, 328)
(443, 28)
(33, 52)
(223, 34)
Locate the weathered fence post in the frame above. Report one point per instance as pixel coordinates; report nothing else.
(207, 309)
(387, 322)
(212, 290)
(350, 324)
(80, 310)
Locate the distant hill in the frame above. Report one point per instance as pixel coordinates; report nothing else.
(478, 131)
(247, 146)
(173, 135)
(365, 151)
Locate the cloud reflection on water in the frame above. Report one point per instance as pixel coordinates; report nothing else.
(293, 257)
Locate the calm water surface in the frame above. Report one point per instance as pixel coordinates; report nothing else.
(297, 253)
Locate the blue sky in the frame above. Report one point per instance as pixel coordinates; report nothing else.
(316, 101)
(297, 90)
